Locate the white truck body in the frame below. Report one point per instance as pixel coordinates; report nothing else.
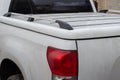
(95, 36)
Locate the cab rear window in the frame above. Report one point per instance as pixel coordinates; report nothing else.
(50, 6)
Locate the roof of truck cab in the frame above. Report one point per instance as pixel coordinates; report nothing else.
(85, 25)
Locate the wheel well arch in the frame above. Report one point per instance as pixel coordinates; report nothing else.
(8, 68)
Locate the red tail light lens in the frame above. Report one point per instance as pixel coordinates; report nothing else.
(62, 62)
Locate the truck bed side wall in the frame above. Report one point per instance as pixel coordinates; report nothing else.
(28, 50)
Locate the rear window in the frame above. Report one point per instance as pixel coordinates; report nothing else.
(50, 6)
(20, 6)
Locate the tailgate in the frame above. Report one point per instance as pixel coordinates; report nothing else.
(99, 59)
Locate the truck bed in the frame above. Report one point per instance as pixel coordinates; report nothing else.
(85, 25)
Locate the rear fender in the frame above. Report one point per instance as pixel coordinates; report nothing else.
(25, 54)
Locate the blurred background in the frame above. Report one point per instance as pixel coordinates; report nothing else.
(107, 4)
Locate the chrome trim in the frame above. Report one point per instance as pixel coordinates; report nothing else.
(57, 77)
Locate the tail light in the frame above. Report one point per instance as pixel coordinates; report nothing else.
(62, 62)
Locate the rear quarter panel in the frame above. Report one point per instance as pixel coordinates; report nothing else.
(28, 50)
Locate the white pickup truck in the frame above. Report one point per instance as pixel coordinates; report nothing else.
(58, 40)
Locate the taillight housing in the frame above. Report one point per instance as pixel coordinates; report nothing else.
(62, 62)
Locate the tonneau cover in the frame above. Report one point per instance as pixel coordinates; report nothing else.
(86, 25)
(76, 20)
